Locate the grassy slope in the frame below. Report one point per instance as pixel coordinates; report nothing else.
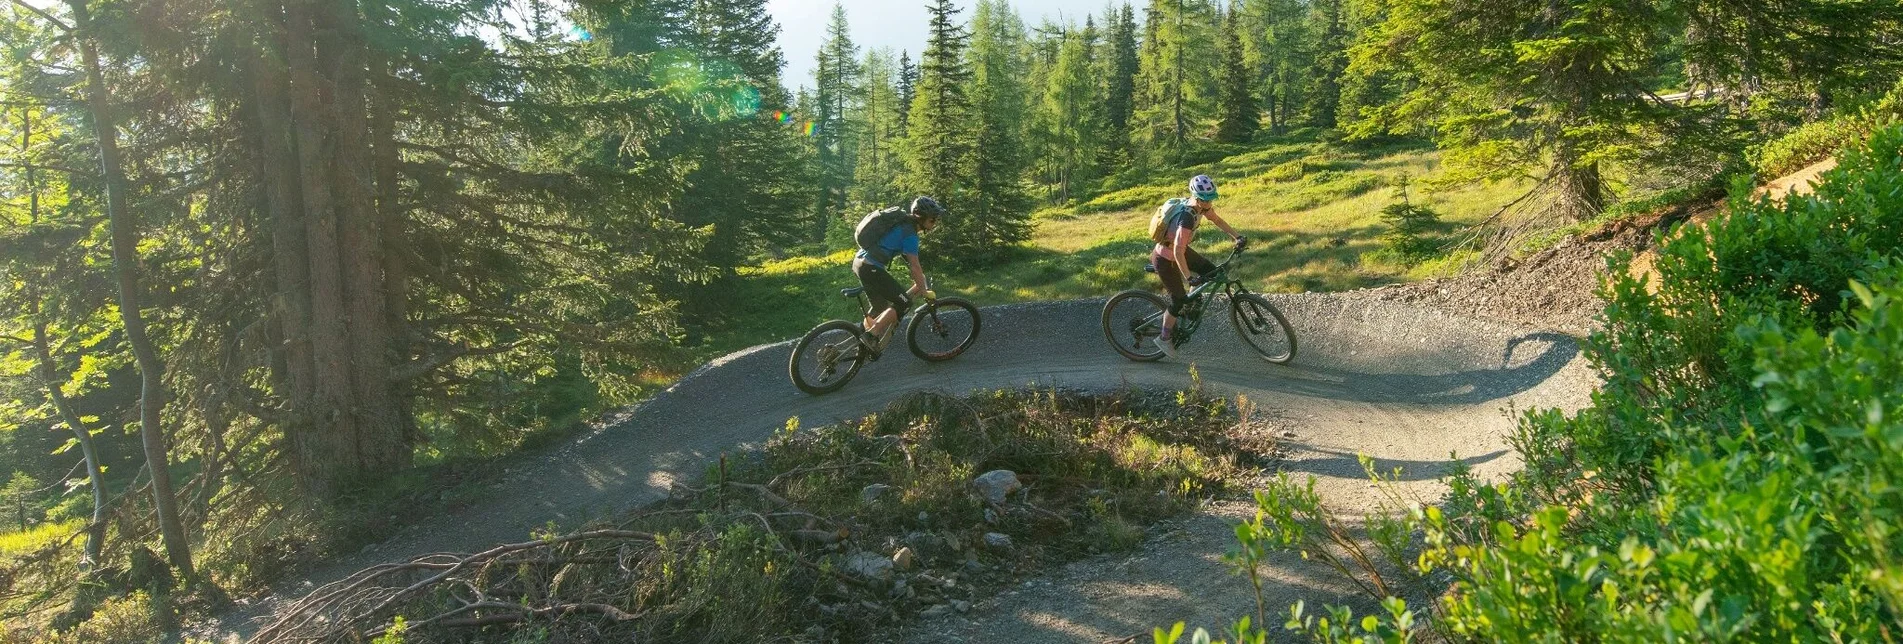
(1311, 207)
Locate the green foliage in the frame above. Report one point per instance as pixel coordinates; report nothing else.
(1177, 78)
(733, 564)
(1817, 140)
(1737, 475)
(1406, 238)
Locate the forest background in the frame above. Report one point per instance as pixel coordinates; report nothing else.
(271, 266)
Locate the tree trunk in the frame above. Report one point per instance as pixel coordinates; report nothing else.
(289, 248)
(49, 375)
(327, 449)
(396, 249)
(125, 258)
(382, 444)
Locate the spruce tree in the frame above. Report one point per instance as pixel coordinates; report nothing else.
(1116, 65)
(1277, 51)
(879, 135)
(938, 141)
(1328, 24)
(996, 213)
(836, 80)
(907, 86)
(1179, 74)
(1071, 118)
(1240, 118)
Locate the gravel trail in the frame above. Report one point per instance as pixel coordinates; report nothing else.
(1405, 385)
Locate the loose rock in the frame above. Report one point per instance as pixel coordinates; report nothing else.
(996, 484)
(872, 492)
(903, 559)
(997, 541)
(869, 565)
(961, 606)
(935, 611)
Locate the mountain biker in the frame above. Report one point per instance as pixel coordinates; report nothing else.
(1174, 259)
(876, 250)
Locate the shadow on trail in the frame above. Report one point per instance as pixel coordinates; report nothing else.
(1525, 362)
(1342, 464)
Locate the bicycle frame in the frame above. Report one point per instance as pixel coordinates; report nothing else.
(1216, 279)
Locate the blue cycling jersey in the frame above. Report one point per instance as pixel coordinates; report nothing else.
(901, 240)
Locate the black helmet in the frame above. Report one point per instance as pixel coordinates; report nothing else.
(928, 208)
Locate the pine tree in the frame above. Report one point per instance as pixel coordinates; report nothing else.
(879, 135)
(748, 160)
(1178, 73)
(908, 87)
(1116, 65)
(836, 84)
(1328, 23)
(939, 132)
(1071, 118)
(1240, 118)
(1276, 50)
(1510, 88)
(996, 214)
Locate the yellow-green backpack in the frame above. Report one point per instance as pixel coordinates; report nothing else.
(1160, 222)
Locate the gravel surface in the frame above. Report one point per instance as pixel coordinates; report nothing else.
(1406, 385)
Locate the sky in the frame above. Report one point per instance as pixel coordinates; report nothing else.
(898, 24)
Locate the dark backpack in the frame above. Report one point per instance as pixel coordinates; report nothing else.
(874, 228)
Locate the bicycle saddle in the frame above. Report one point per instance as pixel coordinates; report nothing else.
(851, 292)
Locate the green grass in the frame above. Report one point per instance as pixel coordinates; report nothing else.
(32, 539)
(1311, 207)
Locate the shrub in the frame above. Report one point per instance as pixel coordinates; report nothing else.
(1817, 140)
(1739, 474)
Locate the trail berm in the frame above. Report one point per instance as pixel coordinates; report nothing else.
(1405, 385)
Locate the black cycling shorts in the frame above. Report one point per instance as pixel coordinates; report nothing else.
(881, 288)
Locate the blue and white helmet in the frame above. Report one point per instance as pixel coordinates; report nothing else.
(1203, 187)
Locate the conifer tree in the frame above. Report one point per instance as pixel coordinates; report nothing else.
(996, 213)
(1240, 118)
(1328, 24)
(1116, 65)
(907, 85)
(1071, 118)
(938, 140)
(836, 80)
(1276, 50)
(1178, 74)
(748, 161)
(879, 134)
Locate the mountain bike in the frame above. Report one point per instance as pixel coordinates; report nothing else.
(831, 354)
(1133, 320)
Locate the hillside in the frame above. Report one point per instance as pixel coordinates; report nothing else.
(1311, 208)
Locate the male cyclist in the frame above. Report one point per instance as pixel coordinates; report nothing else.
(882, 237)
(1174, 259)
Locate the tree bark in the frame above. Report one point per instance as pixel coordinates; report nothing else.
(382, 444)
(125, 259)
(327, 448)
(289, 247)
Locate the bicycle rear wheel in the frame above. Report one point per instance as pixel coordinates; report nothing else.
(1262, 326)
(827, 358)
(943, 329)
(1132, 320)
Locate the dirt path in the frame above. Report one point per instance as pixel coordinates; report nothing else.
(1405, 385)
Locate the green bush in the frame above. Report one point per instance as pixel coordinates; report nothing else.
(1817, 140)
(1740, 472)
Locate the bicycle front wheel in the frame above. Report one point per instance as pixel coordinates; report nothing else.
(1132, 320)
(827, 358)
(1262, 326)
(943, 329)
